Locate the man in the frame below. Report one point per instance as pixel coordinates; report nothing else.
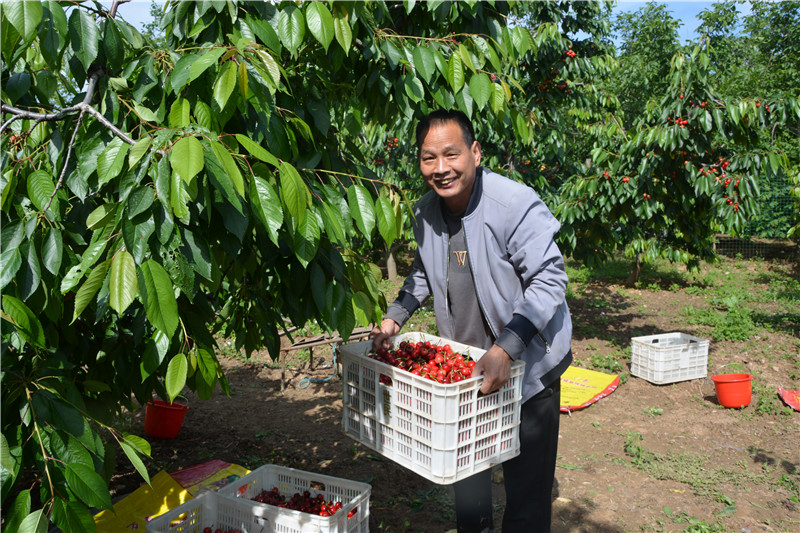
(486, 254)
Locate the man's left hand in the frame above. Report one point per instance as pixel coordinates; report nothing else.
(495, 366)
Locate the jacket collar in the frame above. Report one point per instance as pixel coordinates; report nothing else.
(475, 197)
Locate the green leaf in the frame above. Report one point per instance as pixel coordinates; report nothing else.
(242, 82)
(180, 113)
(186, 158)
(177, 196)
(101, 216)
(40, 188)
(306, 238)
(24, 320)
(112, 44)
(36, 522)
(272, 68)
(267, 206)
(89, 289)
(455, 72)
(291, 27)
(52, 251)
(24, 16)
(123, 281)
(111, 160)
(84, 36)
(140, 200)
(205, 60)
(320, 23)
(466, 57)
(88, 486)
(361, 208)
(207, 366)
(132, 453)
(156, 291)
(424, 62)
(480, 87)
(294, 192)
(333, 226)
(384, 213)
(362, 308)
(175, 379)
(146, 114)
(498, 98)
(138, 150)
(414, 88)
(229, 165)
(10, 261)
(72, 516)
(342, 30)
(225, 84)
(21, 508)
(257, 151)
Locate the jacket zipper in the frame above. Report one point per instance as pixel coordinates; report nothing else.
(544, 341)
(477, 294)
(472, 274)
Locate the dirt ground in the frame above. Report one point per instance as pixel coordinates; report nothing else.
(646, 458)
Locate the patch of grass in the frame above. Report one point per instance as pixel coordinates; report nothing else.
(693, 525)
(733, 324)
(767, 402)
(692, 470)
(653, 411)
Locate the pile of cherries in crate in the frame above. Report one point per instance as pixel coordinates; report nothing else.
(305, 503)
(423, 358)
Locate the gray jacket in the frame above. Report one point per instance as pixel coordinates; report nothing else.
(518, 270)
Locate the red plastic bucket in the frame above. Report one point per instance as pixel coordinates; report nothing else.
(733, 390)
(164, 420)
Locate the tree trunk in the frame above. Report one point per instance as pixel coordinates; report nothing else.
(391, 264)
(633, 278)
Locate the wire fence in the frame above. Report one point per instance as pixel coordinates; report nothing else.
(766, 233)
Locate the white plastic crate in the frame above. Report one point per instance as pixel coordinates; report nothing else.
(210, 509)
(354, 496)
(443, 432)
(669, 357)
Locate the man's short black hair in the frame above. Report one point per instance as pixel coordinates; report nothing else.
(441, 116)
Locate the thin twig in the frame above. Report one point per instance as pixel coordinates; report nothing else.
(8, 122)
(60, 182)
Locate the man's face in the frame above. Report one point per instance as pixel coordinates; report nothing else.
(448, 165)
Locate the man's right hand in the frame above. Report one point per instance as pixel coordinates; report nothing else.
(380, 334)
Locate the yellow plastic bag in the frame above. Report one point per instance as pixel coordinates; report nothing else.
(133, 511)
(581, 387)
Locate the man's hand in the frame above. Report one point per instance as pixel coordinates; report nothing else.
(495, 366)
(380, 334)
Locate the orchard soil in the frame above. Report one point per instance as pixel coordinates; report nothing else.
(646, 458)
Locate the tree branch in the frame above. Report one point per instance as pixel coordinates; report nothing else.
(60, 182)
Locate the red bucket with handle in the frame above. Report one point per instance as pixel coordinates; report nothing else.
(733, 390)
(163, 420)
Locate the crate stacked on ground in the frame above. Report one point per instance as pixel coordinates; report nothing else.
(669, 357)
(443, 432)
(353, 517)
(214, 511)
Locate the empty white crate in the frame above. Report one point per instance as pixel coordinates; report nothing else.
(669, 357)
(209, 509)
(354, 496)
(443, 432)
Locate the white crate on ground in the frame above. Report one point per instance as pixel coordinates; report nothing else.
(354, 496)
(443, 432)
(210, 509)
(669, 357)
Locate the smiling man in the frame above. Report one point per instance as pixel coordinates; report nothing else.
(486, 254)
